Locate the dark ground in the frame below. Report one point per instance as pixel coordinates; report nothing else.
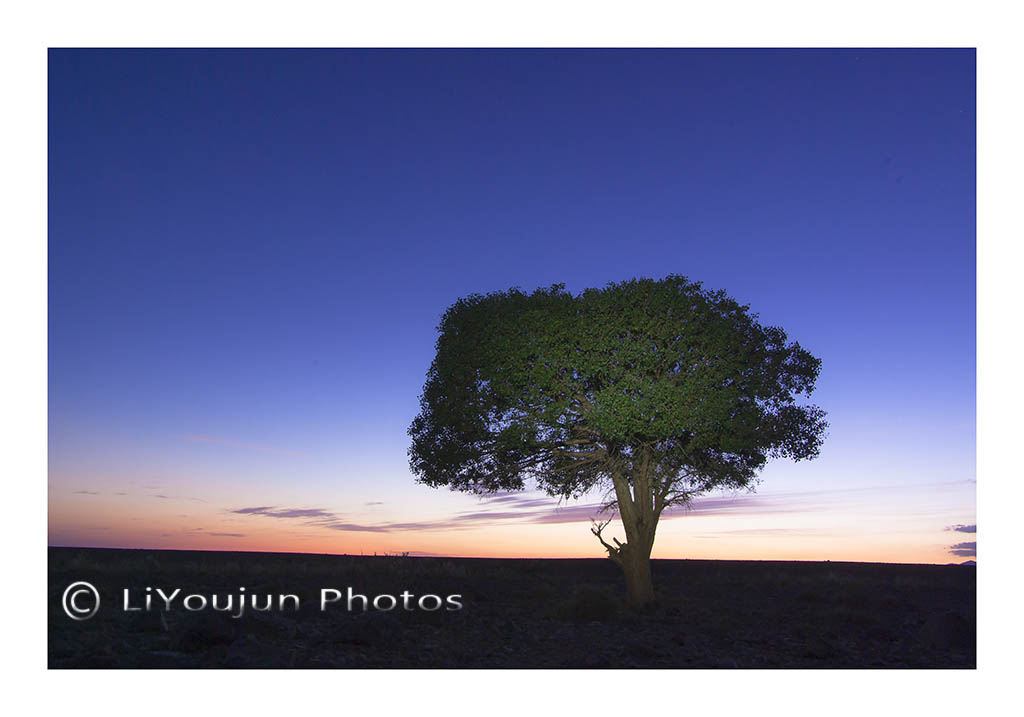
(517, 613)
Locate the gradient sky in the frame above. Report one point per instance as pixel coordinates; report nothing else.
(250, 251)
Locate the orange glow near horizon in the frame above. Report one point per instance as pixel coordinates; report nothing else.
(93, 519)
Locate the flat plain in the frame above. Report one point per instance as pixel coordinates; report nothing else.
(527, 613)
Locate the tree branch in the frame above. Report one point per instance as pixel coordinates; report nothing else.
(613, 552)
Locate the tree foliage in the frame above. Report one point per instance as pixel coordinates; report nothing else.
(559, 388)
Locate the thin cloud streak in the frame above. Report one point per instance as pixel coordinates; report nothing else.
(540, 511)
(529, 509)
(965, 549)
(273, 512)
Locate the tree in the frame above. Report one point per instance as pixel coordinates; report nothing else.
(656, 391)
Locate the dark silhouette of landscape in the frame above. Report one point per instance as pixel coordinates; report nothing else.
(528, 613)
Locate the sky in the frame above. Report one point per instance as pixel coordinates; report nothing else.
(250, 251)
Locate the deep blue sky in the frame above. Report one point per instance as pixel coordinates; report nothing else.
(256, 246)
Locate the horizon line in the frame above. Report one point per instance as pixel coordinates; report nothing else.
(471, 557)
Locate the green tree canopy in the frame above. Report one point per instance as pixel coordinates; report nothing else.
(657, 390)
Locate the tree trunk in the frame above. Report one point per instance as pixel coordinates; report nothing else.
(636, 567)
(636, 509)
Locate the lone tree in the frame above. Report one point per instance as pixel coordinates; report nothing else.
(657, 391)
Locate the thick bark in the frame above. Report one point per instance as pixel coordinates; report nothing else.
(635, 561)
(639, 520)
(636, 567)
